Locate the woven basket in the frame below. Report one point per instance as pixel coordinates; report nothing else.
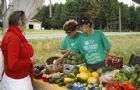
(51, 59)
(51, 68)
(115, 62)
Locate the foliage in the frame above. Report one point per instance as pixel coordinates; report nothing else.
(105, 14)
(0, 9)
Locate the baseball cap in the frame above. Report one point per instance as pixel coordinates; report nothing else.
(84, 20)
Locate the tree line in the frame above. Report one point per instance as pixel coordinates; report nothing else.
(104, 13)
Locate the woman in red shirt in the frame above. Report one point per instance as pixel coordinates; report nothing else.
(18, 53)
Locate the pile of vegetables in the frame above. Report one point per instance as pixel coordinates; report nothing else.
(38, 71)
(74, 59)
(132, 77)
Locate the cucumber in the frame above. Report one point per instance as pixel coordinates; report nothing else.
(62, 84)
(51, 80)
(59, 80)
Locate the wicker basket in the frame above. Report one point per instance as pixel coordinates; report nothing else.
(115, 62)
(51, 59)
(51, 68)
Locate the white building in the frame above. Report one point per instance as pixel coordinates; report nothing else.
(34, 24)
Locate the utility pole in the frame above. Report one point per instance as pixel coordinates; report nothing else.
(50, 12)
(120, 24)
(50, 8)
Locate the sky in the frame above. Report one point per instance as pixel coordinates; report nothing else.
(54, 1)
(128, 2)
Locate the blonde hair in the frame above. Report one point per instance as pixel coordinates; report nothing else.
(70, 25)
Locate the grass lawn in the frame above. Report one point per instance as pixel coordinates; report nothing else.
(122, 46)
(32, 31)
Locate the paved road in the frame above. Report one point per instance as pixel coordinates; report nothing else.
(44, 36)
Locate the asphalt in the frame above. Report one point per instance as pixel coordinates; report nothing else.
(45, 36)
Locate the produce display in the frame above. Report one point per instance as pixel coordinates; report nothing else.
(80, 78)
(114, 61)
(74, 59)
(51, 68)
(132, 77)
(38, 71)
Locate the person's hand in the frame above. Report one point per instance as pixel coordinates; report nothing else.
(58, 61)
(65, 51)
(34, 61)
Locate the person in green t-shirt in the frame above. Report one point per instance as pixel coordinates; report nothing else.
(69, 27)
(92, 45)
(68, 42)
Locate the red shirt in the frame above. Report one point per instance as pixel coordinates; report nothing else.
(17, 63)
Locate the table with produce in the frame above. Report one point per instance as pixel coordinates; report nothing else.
(73, 74)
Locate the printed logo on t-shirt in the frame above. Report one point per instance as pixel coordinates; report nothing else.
(93, 57)
(90, 45)
(72, 44)
(86, 43)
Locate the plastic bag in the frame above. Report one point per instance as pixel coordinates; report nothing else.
(134, 59)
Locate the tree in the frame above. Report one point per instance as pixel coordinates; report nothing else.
(108, 12)
(137, 20)
(103, 12)
(58, 17)
(77, 8)
(132, 17)
(0, 9)
(94, 8)
(125, 16)
(43, 15)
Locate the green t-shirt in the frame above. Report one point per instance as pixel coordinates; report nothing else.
(92, 47)
(68, 42)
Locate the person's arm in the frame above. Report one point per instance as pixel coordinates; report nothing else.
(14, 63)
(63, 46)
(64, 51)
(106, 43)
(61, 59)
(107, 51)
(73, 49)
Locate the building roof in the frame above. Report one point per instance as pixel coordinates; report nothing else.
(136, 1)
(35, 20)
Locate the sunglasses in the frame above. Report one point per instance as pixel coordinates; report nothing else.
(68, 32)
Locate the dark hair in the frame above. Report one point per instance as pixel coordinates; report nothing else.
(1, 23)
(84, 20)
(70, 25)
(16, 17)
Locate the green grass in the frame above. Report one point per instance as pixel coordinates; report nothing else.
(46, 48)
(33, 31)
(1, 32)
(122, 46)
